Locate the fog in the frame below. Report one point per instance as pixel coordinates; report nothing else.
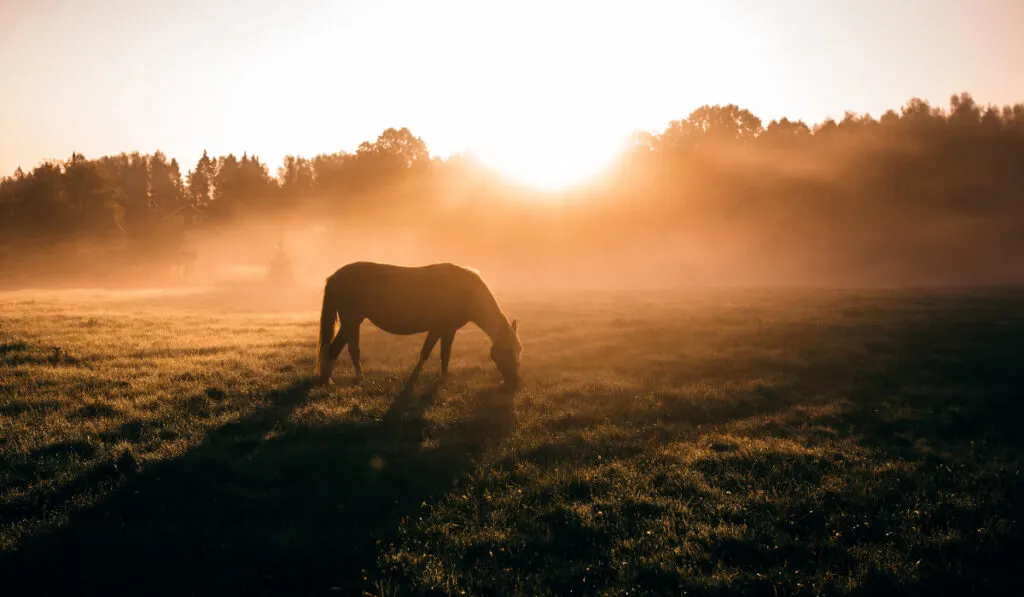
(920, 198)
(538, 246)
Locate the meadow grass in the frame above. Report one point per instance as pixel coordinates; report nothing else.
(708, 442)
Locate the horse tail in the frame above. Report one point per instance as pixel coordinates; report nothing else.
(322, 369)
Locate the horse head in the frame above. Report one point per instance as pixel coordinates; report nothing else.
(505, 353)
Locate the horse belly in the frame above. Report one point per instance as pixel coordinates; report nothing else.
(398, 327)
(415, 323)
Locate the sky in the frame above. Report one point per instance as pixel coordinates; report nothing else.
(520, 83)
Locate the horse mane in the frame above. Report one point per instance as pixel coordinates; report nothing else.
(470, 269)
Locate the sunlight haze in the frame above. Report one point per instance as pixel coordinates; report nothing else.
(544, 297)
(543, 91)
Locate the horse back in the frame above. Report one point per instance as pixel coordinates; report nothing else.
(404, 299)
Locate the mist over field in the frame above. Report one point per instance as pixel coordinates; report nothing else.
(923, 197)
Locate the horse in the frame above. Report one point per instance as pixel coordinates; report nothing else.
(183, 261)
(438, 299)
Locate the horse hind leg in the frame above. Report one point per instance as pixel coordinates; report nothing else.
(339, 342)
(353, 348)
(348, 335)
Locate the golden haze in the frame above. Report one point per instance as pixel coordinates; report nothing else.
(918, 196)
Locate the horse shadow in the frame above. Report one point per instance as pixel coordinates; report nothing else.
(264, 505)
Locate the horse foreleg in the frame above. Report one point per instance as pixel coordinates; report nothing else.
(446, 352)
(428, 347)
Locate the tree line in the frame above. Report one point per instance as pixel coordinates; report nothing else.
(720, 167)
(133, 193)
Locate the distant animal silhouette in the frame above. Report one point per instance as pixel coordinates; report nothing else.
(183, 261)
(280, 269)
(437, 299)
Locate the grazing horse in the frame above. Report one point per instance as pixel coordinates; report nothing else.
(437, 299)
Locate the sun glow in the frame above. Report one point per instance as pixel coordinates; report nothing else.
(549, 162)
(543, 92)
(546, 93)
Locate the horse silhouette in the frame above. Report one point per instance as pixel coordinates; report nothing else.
(438, 299)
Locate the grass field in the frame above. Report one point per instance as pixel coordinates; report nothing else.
(710, 442)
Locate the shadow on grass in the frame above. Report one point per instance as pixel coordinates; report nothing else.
(656, 415)
(13, 354)
(942, 386)
(935, 503)
(930, 505)
(262, 506)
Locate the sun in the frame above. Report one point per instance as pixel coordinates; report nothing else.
(549, 161)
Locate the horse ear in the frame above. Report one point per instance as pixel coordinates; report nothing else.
(515, 325)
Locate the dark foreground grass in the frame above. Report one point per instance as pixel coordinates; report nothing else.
(710, 443)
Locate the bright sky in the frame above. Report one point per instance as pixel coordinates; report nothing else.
(533, 86)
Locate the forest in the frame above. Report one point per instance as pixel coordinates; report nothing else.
(922, 195)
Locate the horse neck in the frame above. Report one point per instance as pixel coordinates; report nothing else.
(488, 316)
